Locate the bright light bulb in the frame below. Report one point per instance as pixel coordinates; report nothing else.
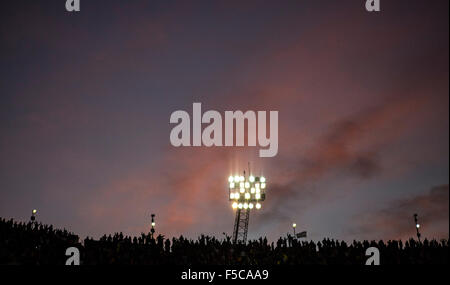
(242, 178)
(257, 185)
(263, 185)
(242, 190)
(252, 190)
(262, 179)
(417, 226)
(257, 196)
(241, 184)
(235, 205)
(247, 185)
(240, 205)
(258, 206)
(231, 195)
(236, 196)
(247, 195)
(231, 185)
(236, 178)
(245, 206)
(34, 211)
(258, 190)
(294, 225)
(153, 224)
(252, 178)
(230, 179)
(250, 205)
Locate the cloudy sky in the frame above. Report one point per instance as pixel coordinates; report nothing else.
(363, 101)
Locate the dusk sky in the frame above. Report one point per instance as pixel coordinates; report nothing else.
(363, 102)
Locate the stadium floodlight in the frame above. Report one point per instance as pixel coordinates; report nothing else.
(245, 193)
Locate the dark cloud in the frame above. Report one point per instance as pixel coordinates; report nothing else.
(350, 148)
(396, 219)
(366, 165)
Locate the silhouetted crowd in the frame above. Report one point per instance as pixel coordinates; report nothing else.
(35, 243)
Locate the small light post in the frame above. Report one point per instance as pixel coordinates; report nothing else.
(417, 226)
(152, 230)
(33, 215)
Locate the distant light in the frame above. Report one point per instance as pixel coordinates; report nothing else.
(240, 205)
(242, 190)
(235, 205)
(262, 179)
(257, 185)
(258, 190)
(236, 178)
(34, 211)
(241, 184)
(257, 196)
(247, 195)
(250, 205)
(242, 178)
(230, 179)
(231, 185)
(247, 185)
(294, 225)
(263, 185)
(252, 190)
(251, 178)
(418, 226)
(236, 196)
(258, 206)
(231, 195)
(245, 206)
(153, 224)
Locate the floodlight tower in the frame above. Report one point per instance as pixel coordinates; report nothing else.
(246, 194)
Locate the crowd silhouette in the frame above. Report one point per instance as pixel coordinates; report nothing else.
(35, 243)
